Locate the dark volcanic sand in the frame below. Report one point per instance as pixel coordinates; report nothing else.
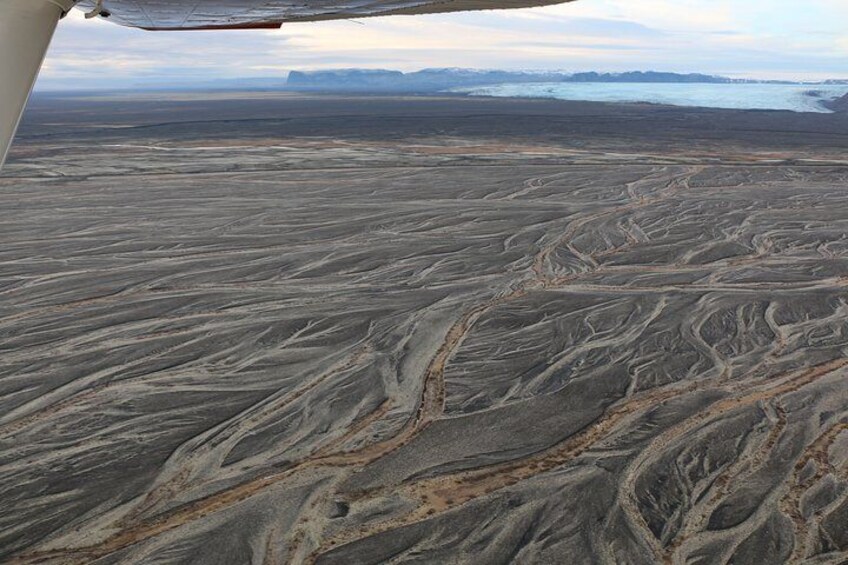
(273, 328)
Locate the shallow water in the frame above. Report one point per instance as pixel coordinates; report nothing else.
(738, 96)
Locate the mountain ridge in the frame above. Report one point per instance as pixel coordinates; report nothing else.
(438, 79)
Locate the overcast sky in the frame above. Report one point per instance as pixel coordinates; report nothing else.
(805, 39)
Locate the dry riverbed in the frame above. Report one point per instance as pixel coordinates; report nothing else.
(304, 329)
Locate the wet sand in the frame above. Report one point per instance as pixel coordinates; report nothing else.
(275, 328)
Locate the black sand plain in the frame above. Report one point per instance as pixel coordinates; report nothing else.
(277, 328)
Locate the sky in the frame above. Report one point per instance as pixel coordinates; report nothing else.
(780, 39)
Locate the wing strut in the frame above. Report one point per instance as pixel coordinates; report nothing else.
(26, 27)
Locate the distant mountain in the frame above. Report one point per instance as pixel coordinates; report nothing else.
(427, 80)
(434, 80)
(439, 79)
(649, 76)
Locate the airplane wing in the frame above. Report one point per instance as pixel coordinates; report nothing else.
(246, 14)
(27, 26)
